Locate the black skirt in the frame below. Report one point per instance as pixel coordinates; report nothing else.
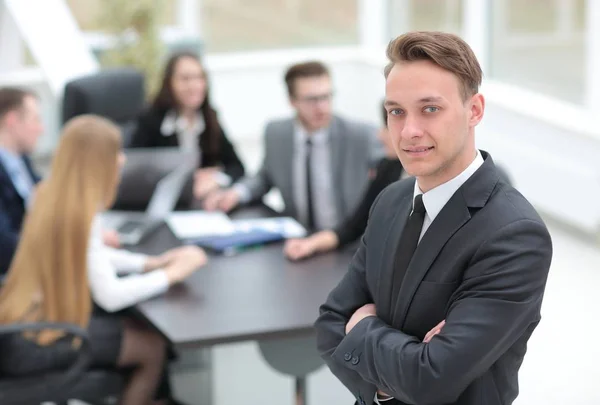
(20, 356)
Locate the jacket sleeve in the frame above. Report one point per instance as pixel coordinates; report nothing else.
(350, 294)
(497, 302)
(232, 165)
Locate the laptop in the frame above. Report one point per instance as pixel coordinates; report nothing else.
(133, 226)
(144, 168)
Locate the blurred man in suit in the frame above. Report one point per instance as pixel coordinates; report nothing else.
(446, 287)
(20, 128)
(319, 161)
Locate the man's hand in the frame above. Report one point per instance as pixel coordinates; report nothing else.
(436, 329)
(296, 249)
(110, 237)
(222, 200)
(360, 314)
(205, 182)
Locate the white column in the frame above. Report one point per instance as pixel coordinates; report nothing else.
(592, 55)
(11, 45)
(372, 23)
(477, 29)
(398, 18)
(189, 16)
(565, 17)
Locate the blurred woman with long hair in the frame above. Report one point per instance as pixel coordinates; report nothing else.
(62, 272)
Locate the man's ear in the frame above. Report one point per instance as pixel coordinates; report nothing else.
(476, 109)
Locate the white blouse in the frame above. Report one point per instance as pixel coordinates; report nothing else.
(111, 292)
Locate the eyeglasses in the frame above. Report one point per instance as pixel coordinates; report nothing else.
(316, 98)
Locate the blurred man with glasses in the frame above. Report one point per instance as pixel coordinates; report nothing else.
(317, 160)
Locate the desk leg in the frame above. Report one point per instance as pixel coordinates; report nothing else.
(300, 390)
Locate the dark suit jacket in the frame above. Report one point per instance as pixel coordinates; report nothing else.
(148, 135)
(482, 266)
(12, 211)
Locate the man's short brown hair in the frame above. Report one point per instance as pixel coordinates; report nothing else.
(448, 51)
(303, 70)
(11, 98)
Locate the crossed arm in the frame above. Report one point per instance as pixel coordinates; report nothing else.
(496, 303)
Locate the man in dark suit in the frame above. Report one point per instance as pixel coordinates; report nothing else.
(20, 128)
(446, 286)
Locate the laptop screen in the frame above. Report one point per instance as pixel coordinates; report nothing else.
(167, 191)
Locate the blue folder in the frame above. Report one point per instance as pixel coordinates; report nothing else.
(237, 241)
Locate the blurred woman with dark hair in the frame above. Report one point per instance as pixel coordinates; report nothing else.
(182, 115)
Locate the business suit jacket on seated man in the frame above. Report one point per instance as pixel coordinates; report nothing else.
(448, 324)
(20, 128)
(341, 154)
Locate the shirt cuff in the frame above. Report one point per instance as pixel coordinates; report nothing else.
(243, 191)
(162, 281)
(378, 400)
(222, 179)
(137, 262)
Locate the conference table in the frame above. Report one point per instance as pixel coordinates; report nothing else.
(255, 295)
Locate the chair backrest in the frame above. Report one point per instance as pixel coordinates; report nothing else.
(58, 386)
(116, 93)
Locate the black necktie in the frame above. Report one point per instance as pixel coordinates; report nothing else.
(310, 216)
(407, 246)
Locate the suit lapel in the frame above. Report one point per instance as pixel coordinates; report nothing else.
(6, 180)
(474, 193)
(452, 217)
(387, 304)
(337, 149)
(287, 154)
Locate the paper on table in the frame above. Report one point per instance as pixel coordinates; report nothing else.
(287, 226)
(196, 224)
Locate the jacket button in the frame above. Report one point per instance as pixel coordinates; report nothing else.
(347, 356)
(355, 361)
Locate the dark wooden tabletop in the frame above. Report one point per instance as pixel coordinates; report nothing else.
(254, 295)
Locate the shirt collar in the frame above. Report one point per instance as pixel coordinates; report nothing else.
(172, 123)
(11, 160)
(320, 136)
(436, 198)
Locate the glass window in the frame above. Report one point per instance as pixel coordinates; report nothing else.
(89, 13)
(240, 25)
(539, 45)
(426, 15)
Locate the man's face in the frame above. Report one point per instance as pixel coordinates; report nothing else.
(312, 101)
(25, 125)
(430, 125)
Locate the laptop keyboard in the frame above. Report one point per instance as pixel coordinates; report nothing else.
(130, 226)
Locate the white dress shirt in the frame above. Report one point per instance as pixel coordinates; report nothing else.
(324, 210)
(434, 201)
(113, 293)
(436, 198)
(174, 124)
(188, 137)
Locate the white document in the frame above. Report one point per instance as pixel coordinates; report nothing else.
(287, 226)
(197, 224)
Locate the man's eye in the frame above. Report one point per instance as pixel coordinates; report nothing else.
(431, 109)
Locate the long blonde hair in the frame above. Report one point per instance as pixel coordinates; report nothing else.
(51, 259)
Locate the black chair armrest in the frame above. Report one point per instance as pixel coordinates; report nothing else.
(40, 389)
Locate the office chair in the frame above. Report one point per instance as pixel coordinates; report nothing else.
(95, 387)
(116, 93)
(296, 357)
